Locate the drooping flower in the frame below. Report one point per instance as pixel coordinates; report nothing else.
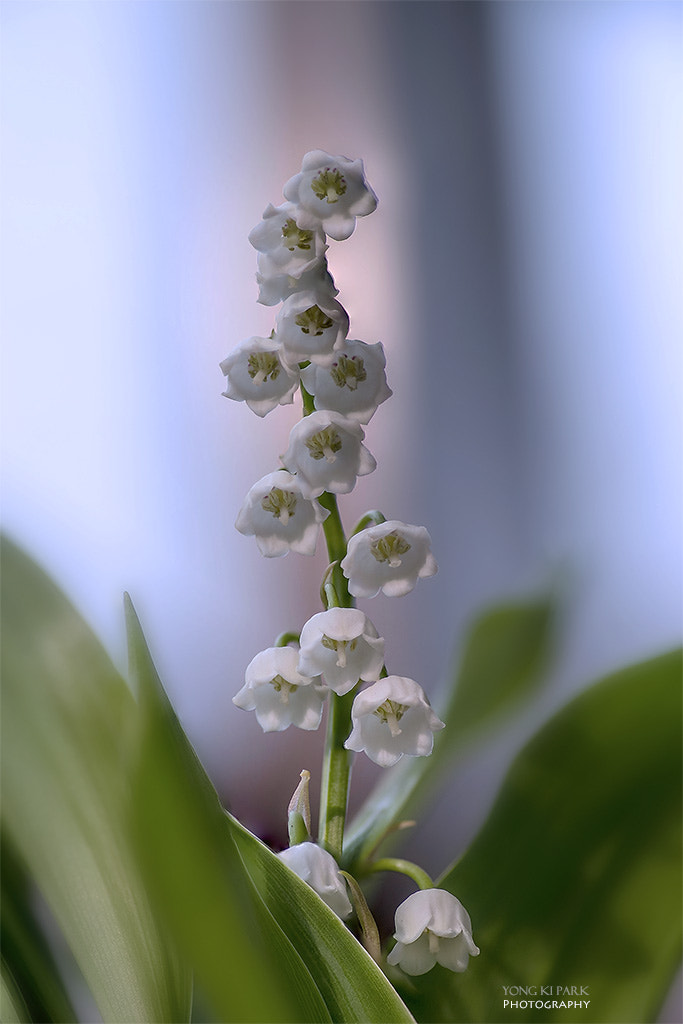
(291, 247)
(391, 718)
(342, 645)
(279, 694)
(318, 868)
(355, 382)
(432, 927)
(326, 453)
(276, 285)
(280, 516)
(256, 375)
(390, 557)
(331, 192)
(310, 325)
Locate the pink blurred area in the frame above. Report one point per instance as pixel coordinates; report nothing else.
(522, 272)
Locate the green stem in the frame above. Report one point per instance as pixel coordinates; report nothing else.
(285, 639)
(336, 759)
(374, 516)
(403, 867)
(335, 775)
(307, 400)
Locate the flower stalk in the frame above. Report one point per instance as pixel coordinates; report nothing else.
(342, 382)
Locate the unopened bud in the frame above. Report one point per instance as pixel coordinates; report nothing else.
(299, 812)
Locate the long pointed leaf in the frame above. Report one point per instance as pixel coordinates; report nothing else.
(246, 965)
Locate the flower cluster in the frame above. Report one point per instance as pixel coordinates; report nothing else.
(338, 650)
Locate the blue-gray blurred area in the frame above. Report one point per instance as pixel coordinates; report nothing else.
(523, 272)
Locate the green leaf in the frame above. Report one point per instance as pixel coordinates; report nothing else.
(264, 945)
(575, 878)
(502, 665)
(28, 965)
(13, 1009)
(67, 723)
(352, 984)
(246, 965)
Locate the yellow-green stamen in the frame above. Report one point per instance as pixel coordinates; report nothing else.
(348, 371)
(390, 713)
(325, 444)
(340, 646)
(296, 237)
(329, 185)
(313, 321)
(390, 549)
(281, 504)
(283, 687)
(263, 366)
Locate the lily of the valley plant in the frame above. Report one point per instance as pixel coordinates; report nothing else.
(337, 655)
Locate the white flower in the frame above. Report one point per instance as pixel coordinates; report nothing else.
(389, 557)
(310, 324)
(331, 191)
(279, 694)
(280, 516)
(293, 249)
(391, 718)
(432, 927)
(257, 376)
(276, 285)
(344, 646)
(355, 382)
(326, 453)
(318, 868)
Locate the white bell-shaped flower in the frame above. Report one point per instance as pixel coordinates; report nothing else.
(275, 285)
(310, 325)
(354, 383)
(318, 868)
(342, 645)
(390, 557)
(256, 375)
(326, 453)
(292, 248)
(331, 191)
(279, 694)
(391, 718)
(432, 927)
(280, 516)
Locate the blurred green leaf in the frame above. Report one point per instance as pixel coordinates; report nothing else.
(13, 1010)
(576, 877)
(502, 665)
(354, 987)
(67, 720)
(28, 964)
(264, 946)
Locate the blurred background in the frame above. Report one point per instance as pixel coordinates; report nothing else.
(523, 272)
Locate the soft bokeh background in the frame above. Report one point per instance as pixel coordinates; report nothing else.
(523, 272)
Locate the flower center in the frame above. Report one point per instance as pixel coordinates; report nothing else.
(390, 713)
(390, 548)
(282, 504)
(433, 941)
(325, 444)
(263, 366)
(348, 371)
(313, 321)
(329, 185)
(340, 646)
(295, 237)
(283, 687)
